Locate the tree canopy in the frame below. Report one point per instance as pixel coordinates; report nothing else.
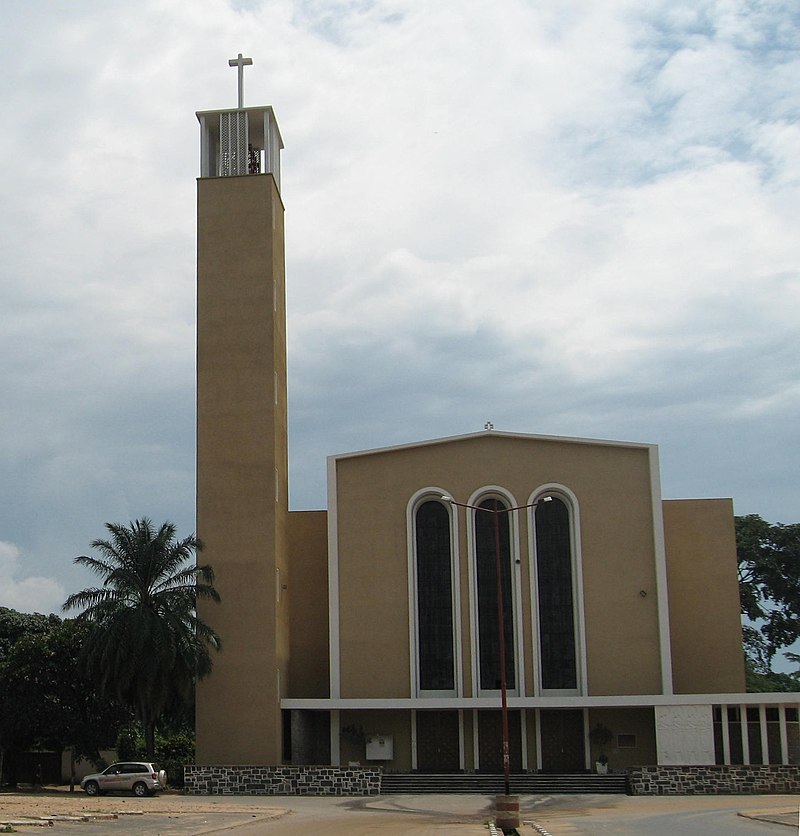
(15, 625)
(148, 647)
(769, 587)
(48, 702)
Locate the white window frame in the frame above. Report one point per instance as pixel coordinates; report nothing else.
(480, 495)
(563, 493)
(420, 497)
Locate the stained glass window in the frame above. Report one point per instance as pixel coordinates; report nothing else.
(488, 621)
(434, 597)
(555, 596)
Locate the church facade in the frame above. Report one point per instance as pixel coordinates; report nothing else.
(379, 631)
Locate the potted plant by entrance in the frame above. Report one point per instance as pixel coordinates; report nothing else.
(356, 739)
(600, 736)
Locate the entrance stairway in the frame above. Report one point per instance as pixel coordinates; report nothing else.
(521, 784)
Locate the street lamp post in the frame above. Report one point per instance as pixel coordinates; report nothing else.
(498, 561)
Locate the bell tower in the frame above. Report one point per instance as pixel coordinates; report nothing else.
(242, 461)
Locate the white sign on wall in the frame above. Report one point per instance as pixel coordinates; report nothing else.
(380, 747)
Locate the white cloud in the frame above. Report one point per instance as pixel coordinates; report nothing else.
(574, 218)
(27, 594)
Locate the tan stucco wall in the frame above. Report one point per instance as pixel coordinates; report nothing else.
(394, 723)
(613, 490)
(309, 668)
(705, 623)
(242, 464)
(637, 721)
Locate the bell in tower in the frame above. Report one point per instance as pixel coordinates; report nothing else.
(240, 141)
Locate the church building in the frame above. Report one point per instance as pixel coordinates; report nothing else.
(384, 630)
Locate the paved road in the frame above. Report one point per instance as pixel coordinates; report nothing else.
(445, 815)
(410, 815)
(671, 816)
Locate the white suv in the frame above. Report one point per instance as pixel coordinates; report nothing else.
(142, 778)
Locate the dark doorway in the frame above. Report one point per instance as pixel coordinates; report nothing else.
(437, 741)
(490, 741)
(309, 736)
(563, 741)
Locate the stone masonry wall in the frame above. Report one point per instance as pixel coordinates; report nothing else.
(282, 780)
(714, 780)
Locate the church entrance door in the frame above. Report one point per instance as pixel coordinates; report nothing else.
(563, 741)
(437, 741)
(490, 741)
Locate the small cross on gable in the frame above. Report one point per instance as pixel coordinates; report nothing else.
(241, 63)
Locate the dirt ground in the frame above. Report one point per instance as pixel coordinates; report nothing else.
(60, 802)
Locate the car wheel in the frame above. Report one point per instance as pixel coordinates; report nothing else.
(140, 789)
(92, 788)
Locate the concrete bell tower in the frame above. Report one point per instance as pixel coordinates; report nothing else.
(242, 467)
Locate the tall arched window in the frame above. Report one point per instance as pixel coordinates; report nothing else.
(436, 657)
(556, 596)
(488, 525)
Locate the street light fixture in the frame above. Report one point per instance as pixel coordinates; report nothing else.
(496, 512)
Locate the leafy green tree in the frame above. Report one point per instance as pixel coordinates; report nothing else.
(14, 625)
(769, 587)
(15, 733)
(148, 647)
(47, 701)
(770, 682)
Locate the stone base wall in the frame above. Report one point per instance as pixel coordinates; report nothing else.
(714, 780)
(282, 780)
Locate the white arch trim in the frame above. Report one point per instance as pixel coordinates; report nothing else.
(475, 498)
(562, 492)
(420, 496)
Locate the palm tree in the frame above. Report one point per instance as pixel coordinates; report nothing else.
(148, 647)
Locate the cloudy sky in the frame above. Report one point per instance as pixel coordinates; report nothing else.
(564, 218)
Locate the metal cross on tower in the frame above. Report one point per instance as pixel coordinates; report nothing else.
(241, 63)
